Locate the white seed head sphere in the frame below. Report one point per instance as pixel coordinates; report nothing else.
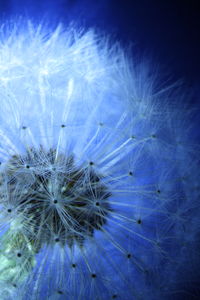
(96, 201)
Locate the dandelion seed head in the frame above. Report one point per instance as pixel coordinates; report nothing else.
(93, 204)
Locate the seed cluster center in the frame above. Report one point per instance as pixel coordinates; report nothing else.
(56, 201)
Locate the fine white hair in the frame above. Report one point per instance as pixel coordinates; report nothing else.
(75, 93)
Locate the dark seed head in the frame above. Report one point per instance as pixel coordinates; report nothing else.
(76, 188)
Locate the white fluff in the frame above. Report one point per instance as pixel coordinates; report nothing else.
(75, 92)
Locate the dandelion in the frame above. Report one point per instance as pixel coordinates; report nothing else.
(98, 178)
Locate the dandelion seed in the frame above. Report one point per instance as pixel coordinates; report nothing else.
(93, 204)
